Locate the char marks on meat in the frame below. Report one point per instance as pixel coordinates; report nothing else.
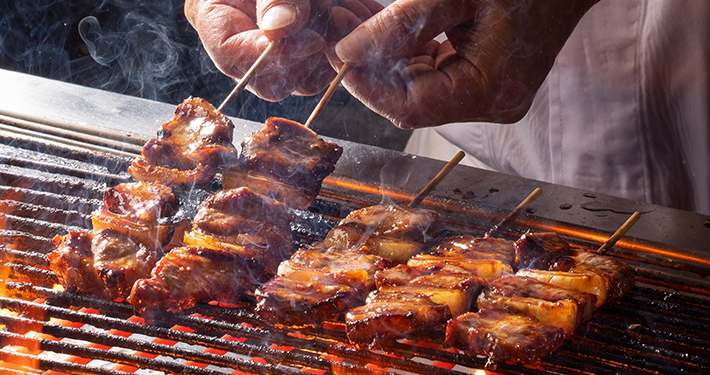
(618, 275)
(476, 248)
(543, 251)
(503, 337)
(550, 304)
(136, 209)
(120, 261)
(392, 232)
(389, 316)
(253, 226)
(189, 149)
(190, 274)
(73, 263)
(284, 160)
(297, 301)
(446, 285)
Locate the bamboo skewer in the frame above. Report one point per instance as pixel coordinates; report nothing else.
(515, 213)
(328, 94)
(247, 76)
(437, 179)
(620, 232)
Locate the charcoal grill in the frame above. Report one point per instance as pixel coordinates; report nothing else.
(62, 145)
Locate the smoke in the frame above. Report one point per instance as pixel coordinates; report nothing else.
(144, 49)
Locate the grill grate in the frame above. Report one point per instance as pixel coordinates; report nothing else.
(47, 188)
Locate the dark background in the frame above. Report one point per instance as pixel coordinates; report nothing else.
(148, 49)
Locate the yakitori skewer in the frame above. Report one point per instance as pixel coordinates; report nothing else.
(437, 179)
(515, 213)
(247, 76)
(619, 232)
(328, 94)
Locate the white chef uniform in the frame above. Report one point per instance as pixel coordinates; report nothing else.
(624, 111)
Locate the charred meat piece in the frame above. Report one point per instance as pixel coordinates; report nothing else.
(334, 260)
(284, 160)
(583, 282)
(543, 251)
(448, 285)
(189, 148)
(550, 304)
(476, 248)
(388, 317)
(120, 261)
(253, 226)
(294, 301)
(189, 275)
(392, 232)
(73, 262)
(618, 275)
(488, 269)
(135, 209)
(503, 337)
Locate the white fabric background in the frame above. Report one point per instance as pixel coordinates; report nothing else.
(624, 111)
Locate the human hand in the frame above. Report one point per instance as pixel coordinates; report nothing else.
(497, 55)
(235, 32)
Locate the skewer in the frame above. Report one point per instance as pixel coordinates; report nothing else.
(620, 232)
(437, 179)
(328, 94)
(515, 213)
(247, 76)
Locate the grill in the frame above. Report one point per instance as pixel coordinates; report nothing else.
(55, 168)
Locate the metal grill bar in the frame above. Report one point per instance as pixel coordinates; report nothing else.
(49, 180)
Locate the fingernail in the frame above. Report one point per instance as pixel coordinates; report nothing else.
(355, 46)
(278, 17)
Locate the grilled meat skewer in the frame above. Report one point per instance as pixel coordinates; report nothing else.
(189, 149)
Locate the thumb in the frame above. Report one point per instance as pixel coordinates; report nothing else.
(401, 28)
(279, 19)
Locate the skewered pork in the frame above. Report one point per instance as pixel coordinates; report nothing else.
(476, 248)
(447, 285)
(253, 226)
(334, 260)
(120, 261)
(285, 161)
(543, 251)
(503, 337)
(488, 269)
(392, 232)
(189, 149)
(73, 263)
(136, 209)
(389, 316)
(301, 301)
(550, 304)
(190, 274)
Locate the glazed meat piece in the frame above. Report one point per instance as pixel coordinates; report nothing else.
(120, 260)
(135, 209)
(284, 160)
(392, 232)
(189, 275)
(503, 337)
(242, 221)
(476, 248)
(388, 317)
(294, 301)
(543, 251)
(334, 260)
(488, 269)
(448, 285)
(73, 263)
(583, 282)
(189, 149)
(618, 275)
(550, 304)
